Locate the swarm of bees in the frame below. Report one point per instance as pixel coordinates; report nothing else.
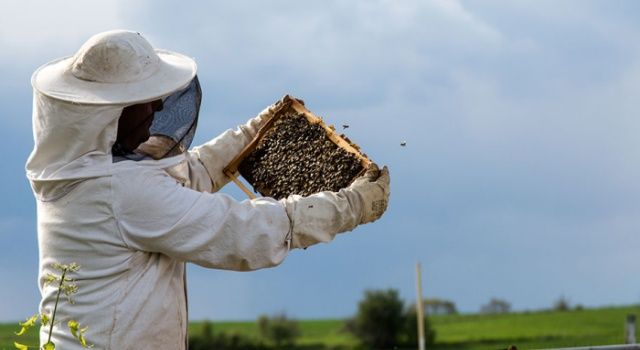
(297, 157)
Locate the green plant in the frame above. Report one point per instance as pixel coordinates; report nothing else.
(496, 306)
(66, 285)
(379, 320)
(409, 333)
(207, 340)
(562, 304)
(280, 330)
(436, 306)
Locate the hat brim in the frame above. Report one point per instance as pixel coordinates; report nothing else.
(55, 79)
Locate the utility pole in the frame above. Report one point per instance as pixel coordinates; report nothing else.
(420, 308)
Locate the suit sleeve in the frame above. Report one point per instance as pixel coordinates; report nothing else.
(156, 214)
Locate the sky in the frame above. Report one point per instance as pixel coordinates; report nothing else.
(519, 178)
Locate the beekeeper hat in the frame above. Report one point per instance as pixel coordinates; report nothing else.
(115, 67)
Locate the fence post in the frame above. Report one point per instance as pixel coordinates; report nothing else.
(420, 308)
(630, 329)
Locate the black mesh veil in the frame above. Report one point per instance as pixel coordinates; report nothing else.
(173, 127)
(179, 117)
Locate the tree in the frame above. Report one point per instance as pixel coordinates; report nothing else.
(410, 331)
(279, 330)
(437, 306)
(379, 320)
(496, 306)
(561, 304)
(208, 340)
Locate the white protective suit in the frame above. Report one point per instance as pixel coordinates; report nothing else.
(132, 225)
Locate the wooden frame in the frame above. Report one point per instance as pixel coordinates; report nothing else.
(290, 104)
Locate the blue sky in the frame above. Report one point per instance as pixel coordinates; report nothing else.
(520, 175)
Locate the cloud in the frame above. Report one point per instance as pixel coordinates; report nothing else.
(33, 26)
(348, 52)
(520, 122)
(351, 49)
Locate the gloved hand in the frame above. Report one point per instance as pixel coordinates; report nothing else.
(159, 147)
(252, 127)
(320, 216)
(373, 188)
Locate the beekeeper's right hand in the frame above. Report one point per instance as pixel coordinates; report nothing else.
(319, 217)
(373, 188)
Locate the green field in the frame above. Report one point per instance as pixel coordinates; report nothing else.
(534, 330)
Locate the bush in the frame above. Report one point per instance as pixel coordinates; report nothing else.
(280, 330)
(562, 304)
(207, 340)
(379, 319)
(440, 307)
(410, 331)
(496, 306)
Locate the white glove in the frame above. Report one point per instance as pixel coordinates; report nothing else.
(160, 146)
(252, 127)
(319, 217)
(373, 188)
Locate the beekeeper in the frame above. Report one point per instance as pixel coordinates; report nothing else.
(131, 216)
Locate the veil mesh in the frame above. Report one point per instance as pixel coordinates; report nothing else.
(178, 118)
(173, 127)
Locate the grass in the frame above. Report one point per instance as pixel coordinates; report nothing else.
(7, 336)
(315, 333)
(534, 330)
